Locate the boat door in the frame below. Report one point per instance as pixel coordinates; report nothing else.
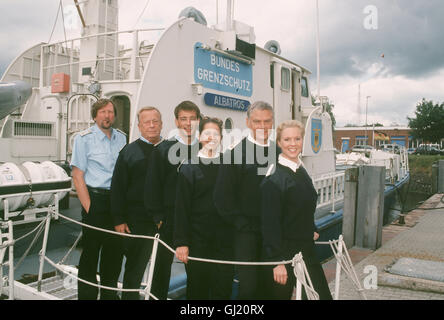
(123, 107)
(78, 118)
(345, 145)
(296, 108)
(282, 92)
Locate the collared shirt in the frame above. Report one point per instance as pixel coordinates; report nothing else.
(216, 154)
(251, 139)
(290, 164)
(147, 141)
(179, 138)
(96, 155)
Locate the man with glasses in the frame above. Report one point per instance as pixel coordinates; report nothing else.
(127, 204)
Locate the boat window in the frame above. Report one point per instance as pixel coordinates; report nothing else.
(304, 87)
(272, 75)
(285, 79)
(228, 124)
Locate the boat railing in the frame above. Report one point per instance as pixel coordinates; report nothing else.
(397, 165)
(7, 243)
(112, 62)
(330, 189)
(343, 263)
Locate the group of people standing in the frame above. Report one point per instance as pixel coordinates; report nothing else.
(202, 205)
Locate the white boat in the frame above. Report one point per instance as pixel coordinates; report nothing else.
(219, 67)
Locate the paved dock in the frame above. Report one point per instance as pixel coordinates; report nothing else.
(421, 237)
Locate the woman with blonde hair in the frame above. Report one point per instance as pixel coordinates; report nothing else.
(288, 206)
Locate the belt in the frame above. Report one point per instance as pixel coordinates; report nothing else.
(101, 191)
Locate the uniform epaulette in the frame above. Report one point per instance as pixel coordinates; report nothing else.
(85, 132)
(120, 131)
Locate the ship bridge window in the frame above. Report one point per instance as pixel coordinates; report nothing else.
(285, 79)
(228, 124)
(304, 87)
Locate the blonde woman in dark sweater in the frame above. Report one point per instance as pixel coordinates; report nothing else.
(288, 206)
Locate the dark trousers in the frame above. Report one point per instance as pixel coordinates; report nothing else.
(314, 269)
(162, 267)
(248, 247)
(137, 252)
(209, 281)
(95, 244)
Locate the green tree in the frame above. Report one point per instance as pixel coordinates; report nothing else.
(428, 123)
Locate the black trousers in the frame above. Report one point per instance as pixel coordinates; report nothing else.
(95, 244)
(248, 247)
(314, 269)
(209, 281)
(137, 252)
(162, 267)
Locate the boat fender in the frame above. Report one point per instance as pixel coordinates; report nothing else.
(273, 46)
(193, 13)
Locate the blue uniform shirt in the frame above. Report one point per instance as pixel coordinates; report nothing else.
(96, 155)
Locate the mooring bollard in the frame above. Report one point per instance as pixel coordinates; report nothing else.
(349, 215)
(370, 207)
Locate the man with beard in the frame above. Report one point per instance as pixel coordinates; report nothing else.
(94, 155)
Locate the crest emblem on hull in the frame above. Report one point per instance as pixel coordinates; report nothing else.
(316, 135)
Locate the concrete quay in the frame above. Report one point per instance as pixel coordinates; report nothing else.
(421, 237)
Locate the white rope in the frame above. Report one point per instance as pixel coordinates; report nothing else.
(32, 243)
(93, 284)
(302, 276)
(172, 250)
(28, 234)
(62, 261)
(345, 261)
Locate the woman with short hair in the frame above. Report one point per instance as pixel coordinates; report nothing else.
(288, 205)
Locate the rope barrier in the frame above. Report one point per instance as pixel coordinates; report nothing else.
(31, 245)
(301, 274)
(298, 264)
(171, 249)
(62, 261)
(55, 265)
(346, 264)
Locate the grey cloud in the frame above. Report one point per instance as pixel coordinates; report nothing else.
(409, 35)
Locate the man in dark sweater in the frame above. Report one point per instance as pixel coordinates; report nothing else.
(160, 187)
(237, 195)
(127, 205)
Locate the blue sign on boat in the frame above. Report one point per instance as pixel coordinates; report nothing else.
(220, 72)
(216, 100)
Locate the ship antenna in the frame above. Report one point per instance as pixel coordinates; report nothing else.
(55, 23)
(141, 14)
(318, 50)
(80, 13)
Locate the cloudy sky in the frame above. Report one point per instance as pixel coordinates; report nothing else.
(393, 48)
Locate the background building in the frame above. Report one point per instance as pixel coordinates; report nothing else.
(346, 138)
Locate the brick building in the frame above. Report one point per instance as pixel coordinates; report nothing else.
(346, 138)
